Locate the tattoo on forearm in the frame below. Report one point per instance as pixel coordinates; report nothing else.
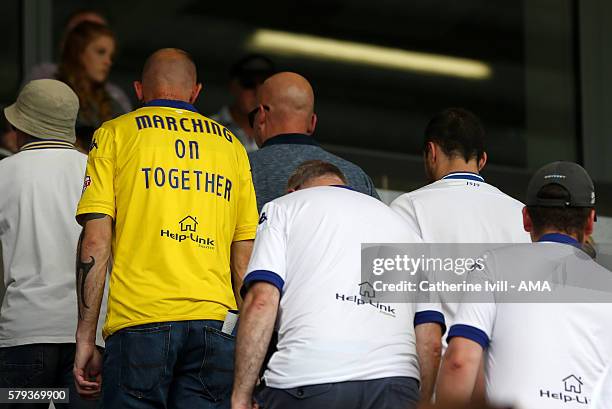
(83, 269)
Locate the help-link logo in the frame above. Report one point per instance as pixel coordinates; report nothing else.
(365, 297)
(572, 385)
(188, 233)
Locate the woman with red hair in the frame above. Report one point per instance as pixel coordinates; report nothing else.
(87, 57)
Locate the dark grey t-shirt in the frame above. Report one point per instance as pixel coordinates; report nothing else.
(279, 157)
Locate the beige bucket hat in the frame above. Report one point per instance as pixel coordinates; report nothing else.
(45, 109)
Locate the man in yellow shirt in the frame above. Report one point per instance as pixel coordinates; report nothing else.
(170, 192)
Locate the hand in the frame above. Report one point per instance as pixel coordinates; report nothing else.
(87, 370)
(238, 403)
(241, 405)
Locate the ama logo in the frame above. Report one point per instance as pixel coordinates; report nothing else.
(188, 227)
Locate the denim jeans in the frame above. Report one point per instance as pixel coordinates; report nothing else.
(41, 366)
(178, 364)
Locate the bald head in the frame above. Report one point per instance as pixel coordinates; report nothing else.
(291, 101)
(290, 92)
(169, 73)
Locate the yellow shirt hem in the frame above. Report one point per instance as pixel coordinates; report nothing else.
(107, 332)
(245, 233)
(99, 208)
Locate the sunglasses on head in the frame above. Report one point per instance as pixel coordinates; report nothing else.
(254, 112)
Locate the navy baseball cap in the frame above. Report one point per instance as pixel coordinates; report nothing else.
(569, 175)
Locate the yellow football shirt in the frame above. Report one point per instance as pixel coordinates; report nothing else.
(178, 186)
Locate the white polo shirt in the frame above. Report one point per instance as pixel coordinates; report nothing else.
(602, 395)
(40, 187)
(308, 245)
(462, 208)
(541, 355)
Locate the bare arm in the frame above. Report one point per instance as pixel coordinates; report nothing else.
(93, 253)
(459, 372)
(479, 394)
(240, 255)
(254, 332)
(429, 350)
(92, 260)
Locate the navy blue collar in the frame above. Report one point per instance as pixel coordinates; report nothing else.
(290, 139)
(344, 187)
(559, 238)
(464, 175)
(171, 103)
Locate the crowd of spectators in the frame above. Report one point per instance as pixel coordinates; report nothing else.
(181, 223)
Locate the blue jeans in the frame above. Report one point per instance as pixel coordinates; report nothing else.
(41, 366)
(178, 364)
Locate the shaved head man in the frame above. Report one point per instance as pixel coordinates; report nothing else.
(283, 123)
(292, 98)
(170, 192)
(168, 73)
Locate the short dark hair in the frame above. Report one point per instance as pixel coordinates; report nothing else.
(570, 220)
(313, 169)
(252, 70)
(458, 132)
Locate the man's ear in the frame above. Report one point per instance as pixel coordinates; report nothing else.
(483, 161)
(138, 91)
(431, 151)
(527, 223)
(590, 224)
(312, 125)
(259, 131)
(195, 92)
(259, 118)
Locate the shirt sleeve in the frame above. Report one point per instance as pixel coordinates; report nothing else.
(268, 261)
(404, 206)
(430, 313)
(246, 221)
(99, 186)
(475, 320)
(428, 306)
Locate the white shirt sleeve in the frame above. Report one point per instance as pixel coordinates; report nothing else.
(268, 261)
(428, 306)
(429, 313)
(475, 320)
(404, 207)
